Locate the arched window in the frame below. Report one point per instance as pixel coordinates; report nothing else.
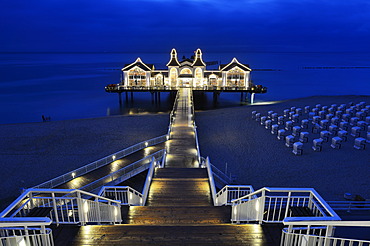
(173, 76)
(137, 77)
(159, 80)
(235, 77)
(186, 71)
(212, 80)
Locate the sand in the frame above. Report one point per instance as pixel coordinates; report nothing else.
(32, 153)
(256, 157)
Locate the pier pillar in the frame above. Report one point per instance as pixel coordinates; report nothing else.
(120, 98)
(132, 96)
(252, 98)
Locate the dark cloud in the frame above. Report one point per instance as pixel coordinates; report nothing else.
(113, 25)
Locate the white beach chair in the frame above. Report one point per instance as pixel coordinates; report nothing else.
(365, 111)
(349, 111)
(268, 124)
(258, 116)
(335, 121)
(324, 135)
(303, 137)
(336, 143)
(269, 113)
(324, 124)
(291, 113)
(296, 131)
(281, 134)
(295, 117)
(316, 119)
(311, 115)
(281, 120)
(339, 114)
(360, 115)
(354, 121)
(263, 119)
(329, 116)
(346, 117)
(343, 135)
(288, 125)
(362, 124)
(342, 107)
(322, 114)
(307, 109)
(289, 140)
(367, 119)
(360, 143)
(315, 111)
(343, 125)
(292, 108)
(298, 111)
(274, 117)
(368, 137)
(286, 112)
(333, 129)
(316, 128)
(254, 114)
(355, 131)
(298, 148)
(318, 106)
(331, 110)
(334, 106)
(274, 129)
(304, 124)
(324, 108)
(317, 144)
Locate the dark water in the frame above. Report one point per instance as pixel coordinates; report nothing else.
(70, 86)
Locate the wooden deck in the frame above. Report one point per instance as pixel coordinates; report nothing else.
(179, 208)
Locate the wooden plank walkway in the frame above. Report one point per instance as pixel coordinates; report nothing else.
(179, 208)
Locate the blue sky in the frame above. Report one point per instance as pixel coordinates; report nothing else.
(159, 25)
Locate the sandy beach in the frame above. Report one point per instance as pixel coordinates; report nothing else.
(32, 153)
(256, 157)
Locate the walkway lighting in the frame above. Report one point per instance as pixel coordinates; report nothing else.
(146, 144)
(73, 175)
(114, 157)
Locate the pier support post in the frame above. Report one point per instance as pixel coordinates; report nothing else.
(132, 96)
(252, 98)
(120, 98)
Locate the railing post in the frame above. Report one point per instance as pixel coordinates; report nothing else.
(262, 206)
(81, 213)
(287, 205)
(55, 208)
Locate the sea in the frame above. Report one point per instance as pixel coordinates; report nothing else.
(62, 86)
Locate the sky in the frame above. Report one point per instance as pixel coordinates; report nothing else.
(159, 25)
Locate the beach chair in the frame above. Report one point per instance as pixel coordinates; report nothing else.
(324, 108)
(331, 110)
(296, 131)
(333, 106)
(274, 129)
(307, 109)
(254, 114)
(359, 106)
(303, 137)
(360, 115)
(263, 119)
(367, 119)
(298, 111)
(292, 108)
(316, 119)
(297, 148)
(365, 111)
(329, 116)
(295, 117)
(322, 114)
(318, 106)
(362, 124)
(342, 107)
(269, 113)
(349, 111)
(355, 131)
(360, 143)
(336, 143)
(288, 125)
(304, 124)
(367, 107)
(335, 121)
(281, 134)
(315, 111)
(317, 145)
(324, 124)
(274, 117)
(324, 135)
(268, 124)
(343, 125)
(316, 128)
(351, 104)
(289, 140)
(339, 114)
(311, 115)
(346, 117)
(291, 113)
(333, 129)
(368, 137)
(343, 135)
(286, 112)
(281, 120)
(258, 116)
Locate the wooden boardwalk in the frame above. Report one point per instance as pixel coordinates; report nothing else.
(179, 208)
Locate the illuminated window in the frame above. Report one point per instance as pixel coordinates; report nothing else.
(159, 80)
(186, 71)
(213, 80)
(136, 77)
(235, 77)
(173, 76)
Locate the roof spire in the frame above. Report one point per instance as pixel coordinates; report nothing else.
(198, 61)
(173, 61)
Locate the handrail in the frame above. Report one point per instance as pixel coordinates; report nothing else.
(172, 115)
(323, 222)
(121, 193)
(221, 175)
(229, 192)
(148, 181)
(211, 180)
(349, 205)
(125, 170)
(24, 221)
(101, 162)
(197, 144)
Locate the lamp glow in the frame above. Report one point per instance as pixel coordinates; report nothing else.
(73, 175)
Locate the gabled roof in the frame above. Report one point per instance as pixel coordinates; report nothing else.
(173, 62)
(198, 59)
(138, 63)
(234, 63)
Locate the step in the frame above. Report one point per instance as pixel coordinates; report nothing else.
(181, 173)
(160, 215)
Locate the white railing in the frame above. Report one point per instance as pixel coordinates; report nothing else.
(100, 163)
(207, 165)
(231, 192)
(349, 205)
(65, 206)
(220, 176)
(172, 115)
(273, 205)
(197, 144)
(319, 233)
(125, 173)
(25, 231)
(125, 194)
